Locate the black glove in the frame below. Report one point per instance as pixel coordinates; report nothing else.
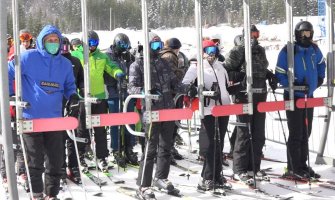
(216, 89)
(320, 81)
(273, 80)
(192, 91)
(73, 105)
(156, 92)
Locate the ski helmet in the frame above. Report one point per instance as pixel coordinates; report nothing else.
(254, 32)
(66, 45)
(155, 42)
(93, 39)
(121, 43)
(304, 40)
(76, 41)
(173, 43)
(209, 47)
(239, 40)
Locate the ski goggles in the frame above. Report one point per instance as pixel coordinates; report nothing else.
(25, 37)
(212, 50)
(306, 34)
(93, 42)
(255, 34)
(123, 45)
(156, 45)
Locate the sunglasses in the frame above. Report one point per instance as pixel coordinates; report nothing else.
(156, 45)
(211, 50)
(123, 45)
(255, 34)
(305, 34)
(93, 42)
(25, 37)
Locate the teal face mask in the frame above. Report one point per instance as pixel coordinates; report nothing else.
(51, 48)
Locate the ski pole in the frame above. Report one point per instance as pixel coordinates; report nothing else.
(146, 152)
(120, 129)
(92, 138)
(78, 161)
(307, 136)
(285, 139)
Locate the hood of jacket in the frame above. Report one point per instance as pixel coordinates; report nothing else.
(48, 29)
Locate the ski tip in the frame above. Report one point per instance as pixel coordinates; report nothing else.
(99, 194)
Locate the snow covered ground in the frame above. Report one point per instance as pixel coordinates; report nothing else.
(273, 38)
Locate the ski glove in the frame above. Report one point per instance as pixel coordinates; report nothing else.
(119, 76)
(192, 91)
(73, 105)
(156, 92)
(320, 81)
(216, 89)
(272, 79)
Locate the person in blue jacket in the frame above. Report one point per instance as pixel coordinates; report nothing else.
(47, 77)
(309, 71)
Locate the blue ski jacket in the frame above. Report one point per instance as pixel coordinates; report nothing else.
(309, 65)
(46, 79)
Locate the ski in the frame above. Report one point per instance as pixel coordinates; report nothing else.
(114, 179)
(301, 180)
(184, 168)
(328, 186)
(294, 189)
(127, 191)
(95, 179)
(175, 192)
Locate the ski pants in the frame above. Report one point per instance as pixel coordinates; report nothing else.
(214, 150)
(100, 134)
(161, 138)
(297, 144)
(129, 142)
(242, 156)
(18, 157)
(45, 149)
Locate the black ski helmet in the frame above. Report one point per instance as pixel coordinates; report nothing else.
(66, 45)
(75, 41)
(121, 42)
(303, 26)
(92, 35)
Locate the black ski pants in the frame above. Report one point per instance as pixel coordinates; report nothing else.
(45, 149)
(297, 144)
(161, 138)
(100, 134)
(242, 156)
(215, 145)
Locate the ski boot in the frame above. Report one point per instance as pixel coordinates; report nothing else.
(173, 161)
(221, 182)
(131, 157)
(63, 176)
(23, 181)
(145, 193)
(74, 175)
(260, 175)
(119, 159)
(103, 166)
(245, 178)
(205, 185)
(176, 155)
(311, 172)
(38, 196)
(5, 184)
(83, 164)
(179, 140)
(165, 184)
(225, 161)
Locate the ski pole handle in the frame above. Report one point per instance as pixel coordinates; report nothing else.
(126, 102)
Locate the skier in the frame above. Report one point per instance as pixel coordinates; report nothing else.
(215, 79)
(99, 64)
(164, 83)
(236, 67)
(169, 54)
(119, 53)
(46, 78)
(71, 168)
(309, 71)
